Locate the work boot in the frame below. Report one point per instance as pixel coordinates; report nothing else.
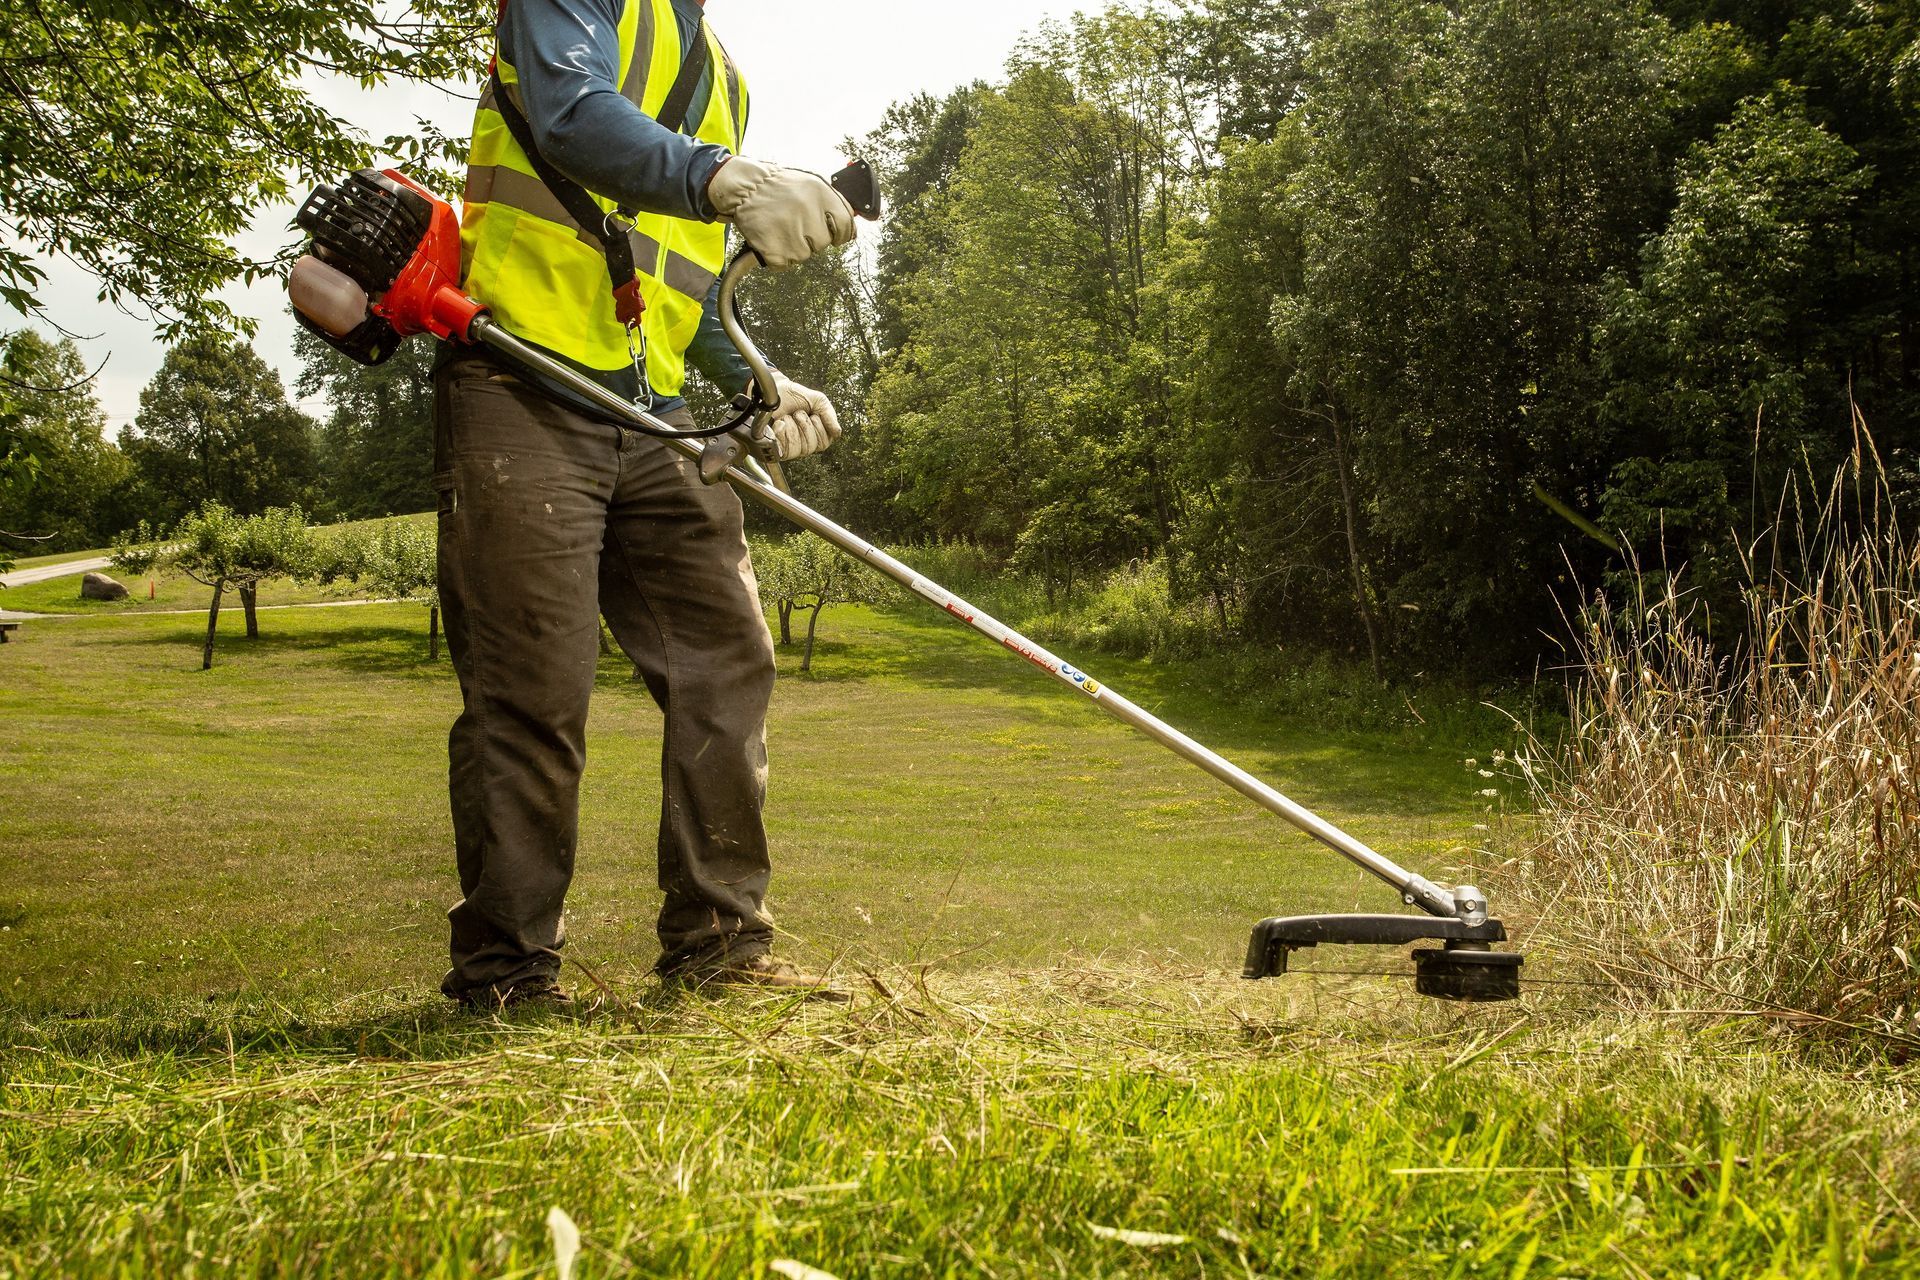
(543, 993)
(758, 971)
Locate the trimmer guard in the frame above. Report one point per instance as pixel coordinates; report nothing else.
(1466, 968)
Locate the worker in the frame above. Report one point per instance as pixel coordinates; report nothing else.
(605, 166)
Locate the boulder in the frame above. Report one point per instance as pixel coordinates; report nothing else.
(98, 586)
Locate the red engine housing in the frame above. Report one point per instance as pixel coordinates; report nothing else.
(425, 297)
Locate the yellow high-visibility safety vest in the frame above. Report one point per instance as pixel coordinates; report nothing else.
(544, 276)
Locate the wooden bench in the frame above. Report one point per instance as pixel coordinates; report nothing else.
(6, 631)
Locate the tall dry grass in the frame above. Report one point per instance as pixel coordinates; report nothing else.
(1734, 817)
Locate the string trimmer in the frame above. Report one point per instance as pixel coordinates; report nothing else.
(384, 265)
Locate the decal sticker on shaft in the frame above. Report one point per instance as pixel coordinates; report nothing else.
(1082, 681)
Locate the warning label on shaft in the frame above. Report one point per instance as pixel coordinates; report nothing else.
(954, 605)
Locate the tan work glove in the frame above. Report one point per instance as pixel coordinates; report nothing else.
(805, 423)
(788, 215)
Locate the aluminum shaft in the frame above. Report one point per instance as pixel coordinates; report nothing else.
(751, 480)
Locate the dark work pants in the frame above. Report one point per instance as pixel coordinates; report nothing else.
(547, 521)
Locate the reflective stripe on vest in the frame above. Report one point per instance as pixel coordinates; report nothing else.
(545, 276)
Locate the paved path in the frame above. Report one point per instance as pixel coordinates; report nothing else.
(25, 577)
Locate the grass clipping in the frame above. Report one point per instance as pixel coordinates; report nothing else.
(1733, 820)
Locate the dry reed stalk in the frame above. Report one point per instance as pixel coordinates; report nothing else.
(1741, 810)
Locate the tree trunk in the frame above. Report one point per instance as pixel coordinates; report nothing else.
(1163, 516)
(1351, 512)
(1909, 330)
(213, 623)
(433, 633)
(250, 601)
(813, 621)
(606, 641)
(785, 608)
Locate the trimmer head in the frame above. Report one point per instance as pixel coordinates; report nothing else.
(1465, 968)
(1460, 973)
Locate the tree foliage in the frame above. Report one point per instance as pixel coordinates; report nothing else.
(374, 453)
(215, 427)
(803, 573)
(1734, 339)
(1378, 326)
(137, 139)
(221, 549)
(392, 560)
(64, 488)
(1386, 324)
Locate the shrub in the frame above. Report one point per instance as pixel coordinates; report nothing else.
(394, 560)
(1739, 816)
(222, 550)
(802, 572)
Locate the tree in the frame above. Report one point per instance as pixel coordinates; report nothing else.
(138, 138)
(72, 497)
(917, 151)
(1266, 531)
(1477, 171)
(1033, 367)
(222, 550)
(17, 467)
(395, 560)
(375, 450)
(1733, 353)
(1853, 70)
(1252, 55)
(805, 573)
(215, 426)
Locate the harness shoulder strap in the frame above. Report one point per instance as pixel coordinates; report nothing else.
(580, 207)
(673, 112)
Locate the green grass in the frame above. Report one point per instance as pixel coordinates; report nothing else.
(221, 1052)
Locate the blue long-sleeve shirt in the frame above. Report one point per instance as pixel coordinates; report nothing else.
(567, 55)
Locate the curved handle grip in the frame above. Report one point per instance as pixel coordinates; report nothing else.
(858, 185)
(765, 387)
(861, 189)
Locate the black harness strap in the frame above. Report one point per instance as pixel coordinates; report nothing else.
(579, 206)
(573, 197)
(673, 112)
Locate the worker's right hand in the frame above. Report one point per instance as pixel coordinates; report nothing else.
(787, 215)
(805, 423)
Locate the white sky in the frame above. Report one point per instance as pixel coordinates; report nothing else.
(820, 72)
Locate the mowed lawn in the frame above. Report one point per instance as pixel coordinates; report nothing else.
(222, 1051)
(171, 831)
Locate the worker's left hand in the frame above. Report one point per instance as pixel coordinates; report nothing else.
(805, 423)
